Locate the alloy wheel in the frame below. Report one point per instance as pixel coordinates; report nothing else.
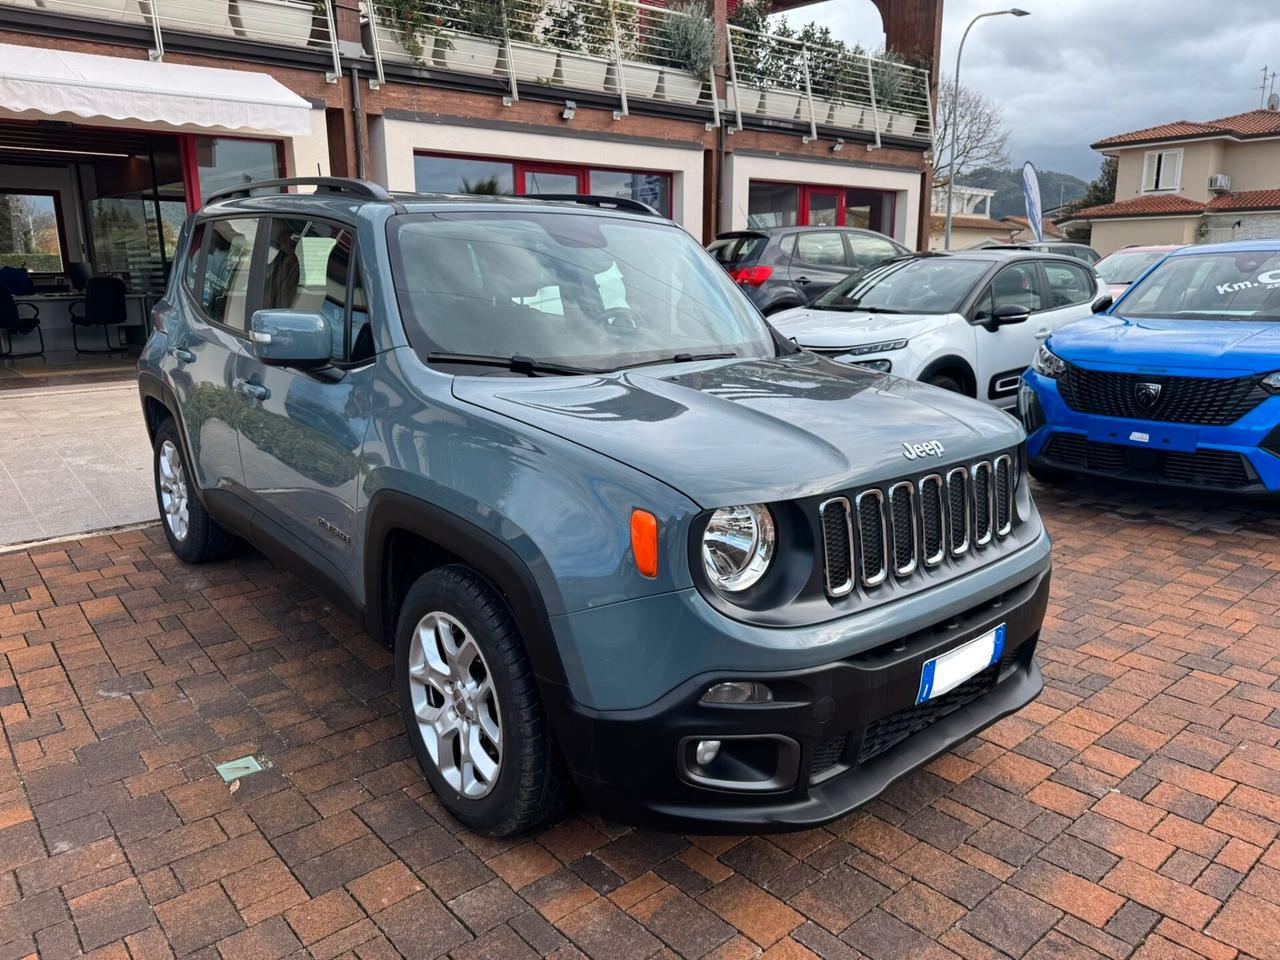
(456, 704)
(173, 491)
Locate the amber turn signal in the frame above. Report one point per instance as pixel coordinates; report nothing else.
(644, 542)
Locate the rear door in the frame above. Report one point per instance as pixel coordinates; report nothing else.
(819, 262)
(206, 348)
(303, 430)
(1070, 289)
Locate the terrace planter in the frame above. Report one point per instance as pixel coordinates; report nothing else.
(873, 120)
(113, 10)
(751, 98)
(273, 21)
(466, 54)
(680, 86)
(846, 116)
(532, 64)
(580, 71)
(391, 47)
(781, 104)
(641, 79)
(902, 125)
(821, 110)
(197, 16)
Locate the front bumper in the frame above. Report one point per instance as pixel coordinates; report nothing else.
(842, 732)
(1242, 458)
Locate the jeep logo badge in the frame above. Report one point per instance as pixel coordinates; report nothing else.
(1147, 394)
(917, 451)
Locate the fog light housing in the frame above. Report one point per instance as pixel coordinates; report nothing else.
(738, 691)
(706, 752)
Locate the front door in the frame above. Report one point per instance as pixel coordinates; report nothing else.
(823, 207)
(302, 431)
(1004, 352)
(207, 346)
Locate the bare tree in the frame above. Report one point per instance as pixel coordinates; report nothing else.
(981, 139)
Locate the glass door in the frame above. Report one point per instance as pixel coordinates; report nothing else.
(545, 178)
(823, 206)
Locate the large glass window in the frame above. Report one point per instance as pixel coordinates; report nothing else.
(1210, 286)
(226, 271)
(451, 175)
(31, 232)
(591, 293)
(773, 205)
(651, 188)
(869, 209)
(228, 162)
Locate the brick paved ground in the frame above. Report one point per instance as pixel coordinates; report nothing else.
(1132, 811)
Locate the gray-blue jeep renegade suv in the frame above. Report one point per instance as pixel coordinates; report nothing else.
(619, 533)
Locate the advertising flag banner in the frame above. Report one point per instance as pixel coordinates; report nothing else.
(1031, 191)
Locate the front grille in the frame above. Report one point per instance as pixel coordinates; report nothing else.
(878, 532)
(828, 753)
(888, 732)
(1208, 401)
(932, 520)
(871, 537)
(1210, 468)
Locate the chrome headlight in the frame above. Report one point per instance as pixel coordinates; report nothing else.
(1271, 382)
(738, 546)
(885, 346)
(1048, 364)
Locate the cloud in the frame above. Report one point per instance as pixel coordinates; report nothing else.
(1076, 71)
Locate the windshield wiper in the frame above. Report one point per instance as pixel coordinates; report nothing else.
(854, 308)
(679, 358)
(526, 365)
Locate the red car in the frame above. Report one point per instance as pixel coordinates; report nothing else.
(1127, 264)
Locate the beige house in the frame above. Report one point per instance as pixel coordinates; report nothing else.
(1191, 182)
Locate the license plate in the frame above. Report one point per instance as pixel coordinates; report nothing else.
(943, 674)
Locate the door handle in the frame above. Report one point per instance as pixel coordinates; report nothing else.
(802, 280)
(1044, 334)
(183, 355)
(254, 391)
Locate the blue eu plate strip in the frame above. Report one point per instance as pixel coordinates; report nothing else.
(927, 672)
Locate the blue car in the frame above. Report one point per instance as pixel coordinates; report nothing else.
(1177, 383)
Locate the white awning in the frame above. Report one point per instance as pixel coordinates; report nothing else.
(116, 88)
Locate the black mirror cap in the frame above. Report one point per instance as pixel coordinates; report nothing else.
(1103, 305)
(1010, 313)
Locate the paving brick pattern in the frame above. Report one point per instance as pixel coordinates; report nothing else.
(1132, 811)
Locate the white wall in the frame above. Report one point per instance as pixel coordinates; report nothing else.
(308, 155)
(740, 170)
(393, 142)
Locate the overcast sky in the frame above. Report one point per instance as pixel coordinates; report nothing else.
(1079, 70)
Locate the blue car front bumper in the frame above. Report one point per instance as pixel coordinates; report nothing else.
(1243, 457)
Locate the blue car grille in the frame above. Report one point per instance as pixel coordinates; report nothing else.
(1207, 401)
(1205, 468)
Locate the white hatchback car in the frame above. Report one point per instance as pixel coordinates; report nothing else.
(968, 321)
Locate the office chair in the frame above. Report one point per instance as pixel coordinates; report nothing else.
(12, 322)
(105, 306)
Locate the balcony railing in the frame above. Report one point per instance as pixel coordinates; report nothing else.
(303, 24)
(625, 50)
(783, 79)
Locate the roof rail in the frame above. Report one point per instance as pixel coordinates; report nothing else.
(336, 186)
(616, 203)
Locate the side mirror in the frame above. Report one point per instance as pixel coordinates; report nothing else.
(1008, 313)
(1103, 305)
(295, 338)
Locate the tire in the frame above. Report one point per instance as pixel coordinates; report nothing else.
(192, 534)
(946, 381)
(446, 615)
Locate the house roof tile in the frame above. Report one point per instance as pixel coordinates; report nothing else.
(1251, 123)
(1151, 205)
(1246, 200)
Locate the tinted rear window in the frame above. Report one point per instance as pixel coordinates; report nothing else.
(738, 249)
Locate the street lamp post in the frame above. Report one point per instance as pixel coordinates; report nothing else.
(955, 108)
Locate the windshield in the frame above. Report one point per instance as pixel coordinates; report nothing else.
(1126, 267)
(589, 292)
(1210, 286)
(921, 285)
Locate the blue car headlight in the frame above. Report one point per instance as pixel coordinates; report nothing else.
(1048, 364)
(1271, 382)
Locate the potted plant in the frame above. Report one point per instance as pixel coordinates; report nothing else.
(782, 74)
(200, 16)
(849, 81)
(274, 21)
(688, 38)
(889, 75)
(407, 30)
(638, 74)
(531, 60)
(824, 54)
(582, 32)
(748, 50)
(471, 40)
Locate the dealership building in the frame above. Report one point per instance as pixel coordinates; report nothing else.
(118, 117)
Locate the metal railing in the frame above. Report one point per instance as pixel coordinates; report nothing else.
(625, 50)
(779, 78)
(290, 23)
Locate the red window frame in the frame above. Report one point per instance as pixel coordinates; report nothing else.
(807, 191)
(520, 167)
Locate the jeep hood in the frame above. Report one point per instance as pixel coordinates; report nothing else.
(747, 431)
(1213, 347)
(825, 329)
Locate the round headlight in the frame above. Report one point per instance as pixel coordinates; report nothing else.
(738, 546)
